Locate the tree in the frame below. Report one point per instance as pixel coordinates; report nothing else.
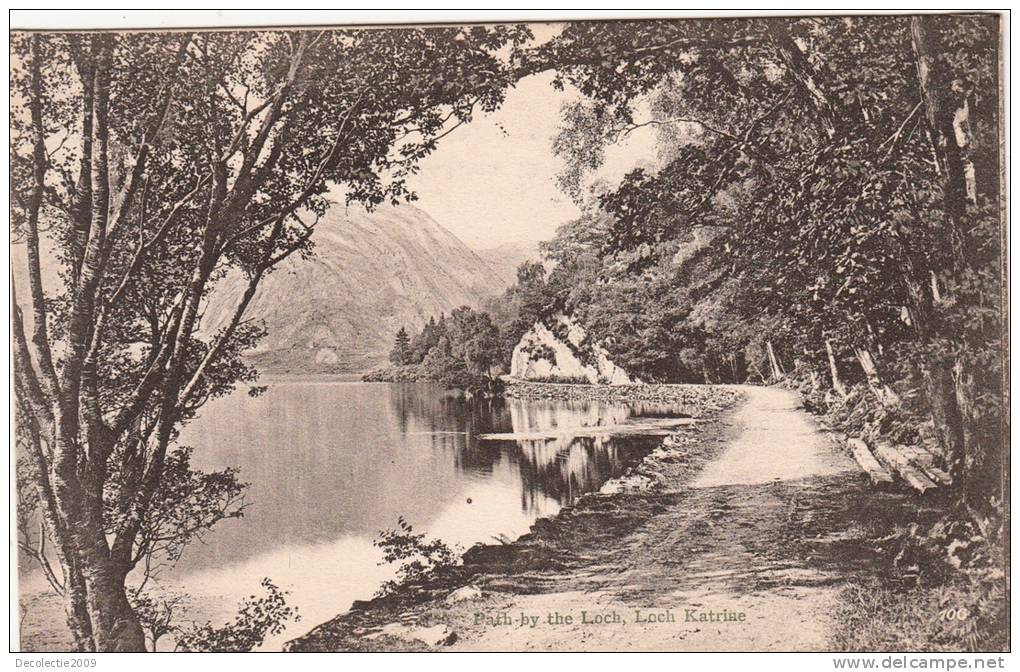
(465, 348)
(424, 341)
(401, 352)
(807, 141)
(145, 166)
(475, 340)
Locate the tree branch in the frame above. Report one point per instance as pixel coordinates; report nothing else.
(40, 332)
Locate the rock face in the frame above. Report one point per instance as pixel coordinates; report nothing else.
(370, 274)
(562, 350)
(463, 594)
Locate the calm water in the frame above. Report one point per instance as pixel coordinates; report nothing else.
(331, 464)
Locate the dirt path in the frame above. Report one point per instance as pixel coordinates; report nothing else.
(743, 551)
(778, 441)
(708, 554)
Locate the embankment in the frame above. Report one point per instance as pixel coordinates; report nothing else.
(695, 400)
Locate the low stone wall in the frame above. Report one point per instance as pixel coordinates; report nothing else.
(696, 400)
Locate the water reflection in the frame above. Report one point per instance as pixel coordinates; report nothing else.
(559, 468)
(332, 464)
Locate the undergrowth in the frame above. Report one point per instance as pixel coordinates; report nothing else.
(944, 589)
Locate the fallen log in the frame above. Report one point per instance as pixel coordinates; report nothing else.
(902, 465)
(926, 462)
(876, 472)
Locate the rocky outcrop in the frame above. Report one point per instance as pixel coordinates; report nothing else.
(561, 350)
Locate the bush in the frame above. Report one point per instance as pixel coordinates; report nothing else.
(256, 618)
(968, 613)
(945, 592)
(419, 558)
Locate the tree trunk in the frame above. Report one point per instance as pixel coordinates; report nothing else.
(96, 607)
(777, 370)
(837, 382)
(77, 614)
(945, 412)
(98, 612)
(884, 393)
(804, 74)
(948, 118)
(943, 108)
(115, 627)
(939, 387)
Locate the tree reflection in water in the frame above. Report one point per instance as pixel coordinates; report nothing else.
(562, 467)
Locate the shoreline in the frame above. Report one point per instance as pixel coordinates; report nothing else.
(687, 395)
(412, 617)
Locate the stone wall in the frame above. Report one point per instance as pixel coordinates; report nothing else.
(696, 400)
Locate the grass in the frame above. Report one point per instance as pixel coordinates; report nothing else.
(967, 613)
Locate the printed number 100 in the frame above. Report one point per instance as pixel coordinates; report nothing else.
(953, 614)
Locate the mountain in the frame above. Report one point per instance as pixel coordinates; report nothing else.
(370, 274)
(504, 259)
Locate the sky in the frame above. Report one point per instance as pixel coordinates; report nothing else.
(493, 181)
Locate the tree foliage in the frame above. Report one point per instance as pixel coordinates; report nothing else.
(257, 617)
(145, 167)
(401, 352)
(847, 164)
(419, 558)
(458, 351)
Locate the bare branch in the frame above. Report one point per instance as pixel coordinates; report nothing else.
(896, 137)
(630, 128)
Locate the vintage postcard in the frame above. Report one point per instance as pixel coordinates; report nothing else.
(676, 334)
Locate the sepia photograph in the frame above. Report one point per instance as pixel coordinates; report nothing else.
(516, 333)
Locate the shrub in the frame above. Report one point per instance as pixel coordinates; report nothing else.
(257, 617)
(945, 592)
(968, 613)
(419, 558)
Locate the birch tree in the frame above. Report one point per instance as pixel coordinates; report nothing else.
(145, 166)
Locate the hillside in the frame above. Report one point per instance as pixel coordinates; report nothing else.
(504, 259)
(370, 274)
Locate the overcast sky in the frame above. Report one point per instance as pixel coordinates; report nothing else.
(493, 181)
